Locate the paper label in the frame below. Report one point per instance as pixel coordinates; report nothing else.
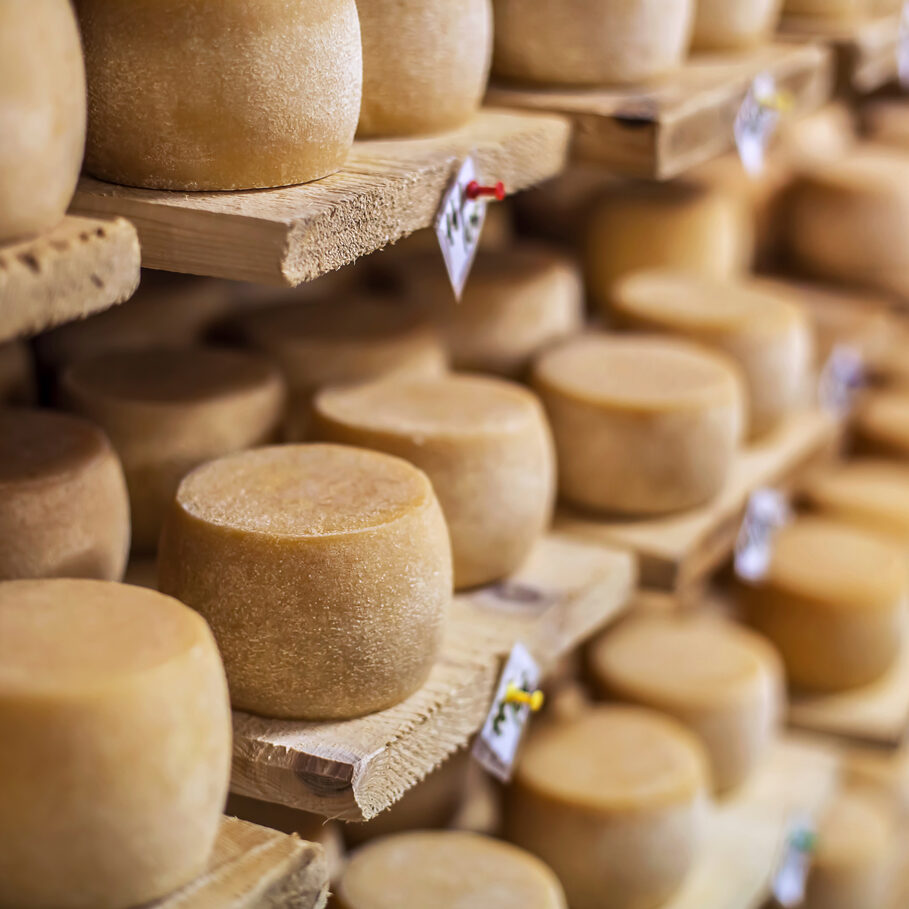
(498, 741)
(794, 864)
(841, 377)
(458, 225)
(756, 122)
(768, 510)
(902, 48)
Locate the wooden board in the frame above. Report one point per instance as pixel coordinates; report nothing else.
(386, 190)
(256, 868)
(686, 119)
(357, 768)
(678, 550)
(80, 267)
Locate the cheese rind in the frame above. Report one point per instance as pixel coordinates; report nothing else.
(721, 24)
(881, 424)
(115, 744)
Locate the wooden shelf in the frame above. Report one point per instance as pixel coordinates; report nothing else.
(678, 550)
(386, 190)
(80, 267)
(357, 768)
(256, 868)
(660, 131)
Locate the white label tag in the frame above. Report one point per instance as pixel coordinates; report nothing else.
(841, 377)
(498, 741)
(902, 48)
(768, 510)
(794, 864)
(755, 123)
(459, 223)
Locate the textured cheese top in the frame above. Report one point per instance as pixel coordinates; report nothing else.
(884, 415)
(304, 490)
(638, 372)
(447, 870)
(614, 758)
(854, 829)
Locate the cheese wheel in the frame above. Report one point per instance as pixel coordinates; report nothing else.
(485, 445)
(168, 410)
(613, 802)
(115, 744)
(275, 93)
(685, 225)
(42, 115)
(881, 424)
(832, 602)
(17, 373)
(758, 326)
(642, 425)
(64, 510)
(317, 556)
(425, 64)
(722, 24)
(886, 120)
(446, 870)
(835, 10)
(589, 42)
(824, 135)
(721, 681)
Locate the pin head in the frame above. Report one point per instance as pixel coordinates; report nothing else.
(474, 190)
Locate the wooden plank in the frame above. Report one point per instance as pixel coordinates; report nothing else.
(357, 768)
(386, 190)
(678, 550)
(662, 130)
(80, 267)
(256, 868)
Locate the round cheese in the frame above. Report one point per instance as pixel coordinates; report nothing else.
(425, 64)
(446, 870)
(887, 120)
(168, 410)
(115, 744)
(824, 135)
(642, 425)
(758, 326)
(485, 445)
(329, 558)
(589, 42)
(216, 94)
(42, 115)
(835, 10)
(64, 510)
(722, 24)
(832, 602)
(18, 384)
(881, 424)
(613, 802)
(723, 682)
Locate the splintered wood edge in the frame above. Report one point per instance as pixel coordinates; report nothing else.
(82, 266)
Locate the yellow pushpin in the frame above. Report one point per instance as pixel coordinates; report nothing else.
(781, 101)
(515, 695)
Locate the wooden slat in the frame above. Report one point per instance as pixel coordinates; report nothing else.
(386, 190)
(687, 118)
(80, 267)
(357, 768)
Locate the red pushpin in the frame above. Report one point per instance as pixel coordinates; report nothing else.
(474, 190)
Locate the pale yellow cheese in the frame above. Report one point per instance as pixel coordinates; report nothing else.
(220, 94)
(425, 64)
(167, 410)
(722, 24)
(614, 802)
(483, 442)
(323, 570)
(64, 510)
(589, 42)
(115, 744)
(881, 424)
(760, 327)
(42, 114)
(722, 681)
(18, 383)
(642, 425)
(832, 603)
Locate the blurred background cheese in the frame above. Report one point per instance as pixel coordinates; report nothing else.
(886, 120)
(836, 10)
(881, 424)
(723, 24)
(17, 373)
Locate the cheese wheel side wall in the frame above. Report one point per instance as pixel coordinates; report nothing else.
(722, 24)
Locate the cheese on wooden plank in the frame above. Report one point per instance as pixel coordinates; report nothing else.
(323, 570)
(730, 24)
(42, 112)
(166, 410)
(722, 681)
(613, 802)
(881, 424)
(760, 327)
(64, 510)
(642, 425)
(18, 384)
(446, 870)
(220, 94)
(590, 42)
(483, 442)
(832, 603)
(115, 744)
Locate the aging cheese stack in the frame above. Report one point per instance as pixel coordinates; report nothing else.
(324, 572)
(881, 425)
(114, 745)
(735, 23)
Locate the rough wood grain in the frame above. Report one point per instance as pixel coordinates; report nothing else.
(357, 768)
(678, 550)
(686, 119)
(80, 267)
(386, 190)
(256, 868)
